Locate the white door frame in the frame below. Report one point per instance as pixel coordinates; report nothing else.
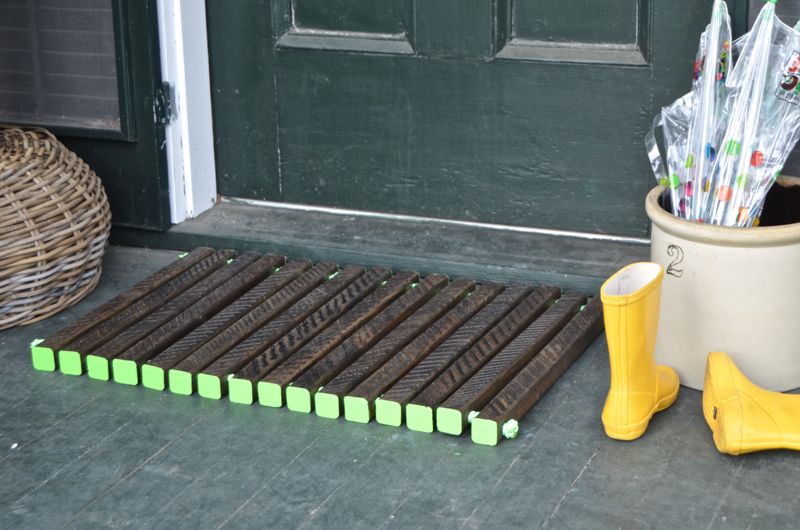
(190, 135)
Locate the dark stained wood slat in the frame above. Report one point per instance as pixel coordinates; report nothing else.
(212, 381)
(478, 390)
(241, 387)
(327, 402)
(125, 366)
(420, 413)
(358, 403)
(155, 299)
(389, 407)
(299, 393)
(89, 341)
(124, 300)
(154, 371)
(113, 347)
(536, 378)
(253, 320)
(271, 387)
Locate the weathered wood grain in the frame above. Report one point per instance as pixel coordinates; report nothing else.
(276, 380)
(396, 366)
(124, 300)
(337, 359)
(483, 385)
(99, 334)
(467, 335)
(501, 334)
(312, 325)
(255, 319)
(139, 330)
(531, 383)
(404, 333)
(249, 301)
(196, 313)
(264, 337)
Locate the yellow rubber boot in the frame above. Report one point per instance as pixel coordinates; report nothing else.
(639, 388)
(744, 417)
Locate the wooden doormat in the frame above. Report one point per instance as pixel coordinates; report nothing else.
(431, 353)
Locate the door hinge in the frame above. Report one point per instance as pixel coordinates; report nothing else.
(164, 104)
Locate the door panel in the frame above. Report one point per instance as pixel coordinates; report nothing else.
(582, 21)
(518, 112)
(387, 16)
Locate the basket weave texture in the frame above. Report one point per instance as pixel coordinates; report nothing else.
(54, 224)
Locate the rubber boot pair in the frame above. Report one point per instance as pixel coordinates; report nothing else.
(742, 416)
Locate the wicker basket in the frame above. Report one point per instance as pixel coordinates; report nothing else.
(54, 224)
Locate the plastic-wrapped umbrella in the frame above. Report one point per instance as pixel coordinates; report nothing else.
(732, 173)
(690, 123)
(711, 69)
(756, 128)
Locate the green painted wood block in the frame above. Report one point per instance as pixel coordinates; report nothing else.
(485, 432)
(419, 418)
(450, 421)
(357, 409)
(241, 391)
(180, 382)
(43, 359)
(98, 367)
(489, 432)
(269, 394)
(388, 412)
(125, 372)
(327, 405)
(70, 362)
(298, 399)
(209, 386)
(153, 377)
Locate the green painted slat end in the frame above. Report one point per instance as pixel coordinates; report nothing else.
(388, 412)
(125, 371)
(70, 362)
(209, 386)
(357, 409)
(327, 405)
(43, 359)
(450, 421)
(153, 377)
(485, 432)
(180, 382)
(241, 391)
(298, 399)
(98, 367)
(270, 394)
(419, 418)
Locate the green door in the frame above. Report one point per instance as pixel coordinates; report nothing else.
(517, 112)
(89, 71)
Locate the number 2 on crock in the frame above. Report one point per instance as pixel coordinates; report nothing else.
(675, 267)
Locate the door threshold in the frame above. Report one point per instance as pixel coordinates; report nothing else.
(457, 248)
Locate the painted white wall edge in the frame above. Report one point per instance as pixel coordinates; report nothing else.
(190, 136)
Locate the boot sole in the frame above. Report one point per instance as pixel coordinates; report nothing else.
(632, 432)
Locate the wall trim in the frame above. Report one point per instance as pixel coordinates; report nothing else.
(190, 136)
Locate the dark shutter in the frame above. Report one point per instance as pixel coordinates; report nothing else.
(58, 63)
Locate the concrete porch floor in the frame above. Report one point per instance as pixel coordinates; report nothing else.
(80, 453)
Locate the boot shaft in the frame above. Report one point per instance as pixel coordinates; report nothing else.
(631, 300)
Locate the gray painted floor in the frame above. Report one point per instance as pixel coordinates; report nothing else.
(80, 453)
